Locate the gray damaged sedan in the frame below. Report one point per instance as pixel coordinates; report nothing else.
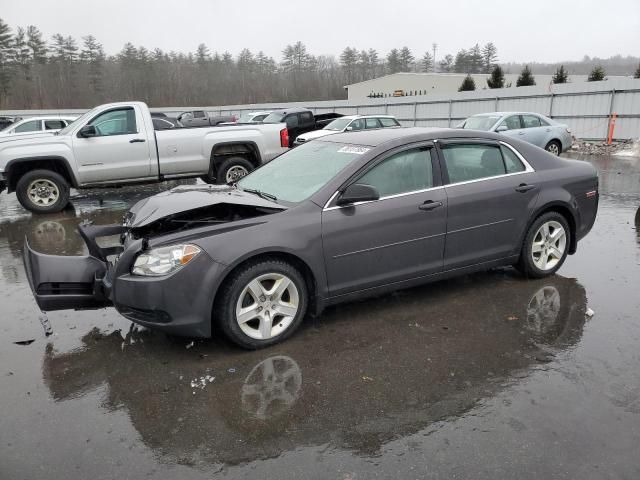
(534, 128)
(339, 218)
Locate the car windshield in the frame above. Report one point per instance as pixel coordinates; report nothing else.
(81, 118)
(275, 117)
(338, 124)
(480, 123)
(297, 174)
(247, 117)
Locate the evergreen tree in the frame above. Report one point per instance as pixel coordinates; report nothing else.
(597, 74)
(468, 84)
(406, 59)
(561, 75)
(364, 65)
(526, 78)
(461, 63)
(489, 56)
(373, 62)
(36, 44)
(92, 54)
(427, 62)
(202, 54)
(476, 59)
(6, 53)
(496, 80)
(349, 61)
(393, 61)
(637, 74)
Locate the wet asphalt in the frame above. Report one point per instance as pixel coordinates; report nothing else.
(485, 376)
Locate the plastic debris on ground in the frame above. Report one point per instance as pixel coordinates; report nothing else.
(25, 342)
(46, 324)
(202, 382)
(189, 345)
(590, 313)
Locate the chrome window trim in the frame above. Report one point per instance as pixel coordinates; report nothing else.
(397, 195)
(527, 169)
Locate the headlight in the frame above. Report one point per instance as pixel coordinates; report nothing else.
(164, 260)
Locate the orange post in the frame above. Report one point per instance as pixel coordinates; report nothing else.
(612, 126)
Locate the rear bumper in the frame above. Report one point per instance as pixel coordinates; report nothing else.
(179, 304)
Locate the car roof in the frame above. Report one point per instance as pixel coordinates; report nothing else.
(379, 136)
(286, 111)
(502, 114)
(353, 117)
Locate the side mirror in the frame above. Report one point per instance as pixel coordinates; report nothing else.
(502, 128)
(358, 192)
(348, 129)
(88, 131)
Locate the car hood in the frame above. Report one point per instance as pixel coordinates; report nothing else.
(316, 134)
(184, 199)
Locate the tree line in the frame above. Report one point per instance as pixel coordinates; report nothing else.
(64, 72)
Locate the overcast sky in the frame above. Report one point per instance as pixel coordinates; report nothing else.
(536, 30)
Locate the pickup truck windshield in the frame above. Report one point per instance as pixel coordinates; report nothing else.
(338, 125)
(274, 117)
(83, 118)
(297, 174)
(480, 123)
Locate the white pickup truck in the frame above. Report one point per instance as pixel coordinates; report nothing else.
(116, 144)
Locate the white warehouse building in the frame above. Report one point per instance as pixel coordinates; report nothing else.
(405, 84)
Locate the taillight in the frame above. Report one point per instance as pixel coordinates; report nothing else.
(284, 138)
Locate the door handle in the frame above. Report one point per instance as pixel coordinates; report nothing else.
(137, 140)
(523, 187)
(520, 133)
(430, 205)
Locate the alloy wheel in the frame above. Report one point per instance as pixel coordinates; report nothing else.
(553, 148)
(267, 306)
(548, 246)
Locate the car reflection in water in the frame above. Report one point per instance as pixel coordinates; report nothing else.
(360, 376)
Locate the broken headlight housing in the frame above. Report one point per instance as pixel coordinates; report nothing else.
(164, 260)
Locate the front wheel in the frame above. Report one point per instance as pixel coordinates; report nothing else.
(554, 148)
(43, 191)
(262, 304)
(545, 246)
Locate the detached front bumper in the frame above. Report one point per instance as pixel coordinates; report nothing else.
(179, 303)
(3, 182)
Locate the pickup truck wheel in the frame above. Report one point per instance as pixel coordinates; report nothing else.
(43, 191)
(262, 303)
(233, 169)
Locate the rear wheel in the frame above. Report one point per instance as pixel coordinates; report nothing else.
(262, 304)
(233, 169)
(545, 246)
(554, 147)
(43, 191)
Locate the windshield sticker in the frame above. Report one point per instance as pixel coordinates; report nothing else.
(354, 149)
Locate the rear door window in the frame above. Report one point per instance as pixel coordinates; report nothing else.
(389, 122)
(371, 123)
(466, 162)
(53, 124)
(511, 161)
(530, 121)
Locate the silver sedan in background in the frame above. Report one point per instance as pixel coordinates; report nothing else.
(534, 128)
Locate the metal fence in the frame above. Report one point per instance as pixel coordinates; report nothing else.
(586, 107)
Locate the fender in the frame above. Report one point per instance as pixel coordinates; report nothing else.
(253, 146)
(11, 182)
(567, 206)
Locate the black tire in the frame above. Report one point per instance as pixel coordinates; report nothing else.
(229, 163)
(554, 147)
(525, 264)
(225, 309)
(48, 177)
